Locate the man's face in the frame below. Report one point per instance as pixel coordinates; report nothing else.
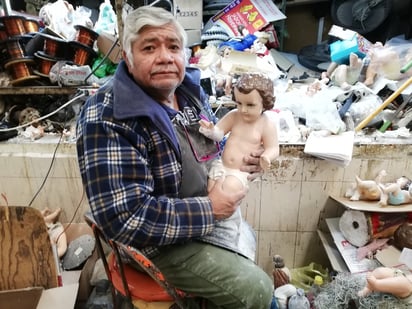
(158, 60)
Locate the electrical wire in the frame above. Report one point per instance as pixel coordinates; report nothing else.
(103, 60)
(48, 171)
(72, 218)
(82, 94)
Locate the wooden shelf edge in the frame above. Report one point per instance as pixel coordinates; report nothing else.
(38, 90)
(335, 258)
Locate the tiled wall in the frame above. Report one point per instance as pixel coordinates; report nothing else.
(286, 207)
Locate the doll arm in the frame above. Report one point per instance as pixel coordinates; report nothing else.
(218, 131)
(270, 144)
(211, 131)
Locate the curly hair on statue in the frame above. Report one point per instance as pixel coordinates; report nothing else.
(260, 82)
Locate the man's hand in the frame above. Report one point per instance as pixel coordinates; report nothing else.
(224, 204)
(252, 165)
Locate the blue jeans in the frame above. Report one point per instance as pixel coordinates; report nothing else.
(225, 279)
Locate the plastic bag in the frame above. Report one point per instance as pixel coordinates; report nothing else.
(388, 60)
(304, 277)
(107, 20)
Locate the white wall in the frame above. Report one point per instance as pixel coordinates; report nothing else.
(285, 208)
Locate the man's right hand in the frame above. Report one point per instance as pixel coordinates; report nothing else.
(224, 204)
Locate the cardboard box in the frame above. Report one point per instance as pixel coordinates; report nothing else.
(104, 42)
(351, 42)
(253, 14)
(75, 283)
(189, 13)
(193, 37)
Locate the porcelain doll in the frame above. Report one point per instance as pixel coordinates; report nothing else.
(249, 127)
(366, 190)
(396, 193)
(56, 230)
(389, 280)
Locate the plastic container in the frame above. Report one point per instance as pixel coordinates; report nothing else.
(299, 300)
(314, 290)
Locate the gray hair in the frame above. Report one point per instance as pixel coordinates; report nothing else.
(147, 16)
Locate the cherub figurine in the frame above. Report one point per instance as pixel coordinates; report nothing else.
(389, 280)
(250, 129)
(366, 190)
(396, 193)
(56, 229)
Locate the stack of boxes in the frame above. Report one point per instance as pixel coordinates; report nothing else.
(190, 15)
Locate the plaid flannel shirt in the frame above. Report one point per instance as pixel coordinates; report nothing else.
(130, 164)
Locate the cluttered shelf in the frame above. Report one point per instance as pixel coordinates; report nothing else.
(38, 90)
(365, 236)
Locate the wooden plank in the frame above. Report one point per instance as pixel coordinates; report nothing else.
(27, 258)
(39, 90)
(119, 11)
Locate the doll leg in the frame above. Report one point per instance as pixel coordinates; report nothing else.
(387, 280)
(378, 273)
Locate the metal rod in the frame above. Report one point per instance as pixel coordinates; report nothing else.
(6, 7)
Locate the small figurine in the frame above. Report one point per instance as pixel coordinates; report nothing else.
(281, 274)
(366, 190)
(389, 280)
(396, 193)
(56, 229)
(344, 75)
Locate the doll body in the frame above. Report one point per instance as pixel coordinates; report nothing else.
(56, 230)
(250, 128)
(396, 193)
(366, 190)
(389, 280)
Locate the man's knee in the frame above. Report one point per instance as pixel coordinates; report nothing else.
(260, 292)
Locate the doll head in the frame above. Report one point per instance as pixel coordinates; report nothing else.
(260, 82)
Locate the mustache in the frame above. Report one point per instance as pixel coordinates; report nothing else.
(165, 69)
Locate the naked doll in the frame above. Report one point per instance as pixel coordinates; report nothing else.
(249, 127)
(389, 280)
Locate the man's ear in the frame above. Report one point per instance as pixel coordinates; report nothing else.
(126, 59)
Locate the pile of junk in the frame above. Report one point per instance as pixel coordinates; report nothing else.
(359, 80)
(53, 46)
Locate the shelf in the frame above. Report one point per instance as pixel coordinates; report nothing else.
(371, 206)
(348, 252)
(38, 90)
(335, 258)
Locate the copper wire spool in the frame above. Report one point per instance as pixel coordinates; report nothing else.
(31, 25)
(82, 54)
(13, 24)
(85, 35)
(3, 33)
(54, 47)
(14, 48)
(20, 70)
(44, 65)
